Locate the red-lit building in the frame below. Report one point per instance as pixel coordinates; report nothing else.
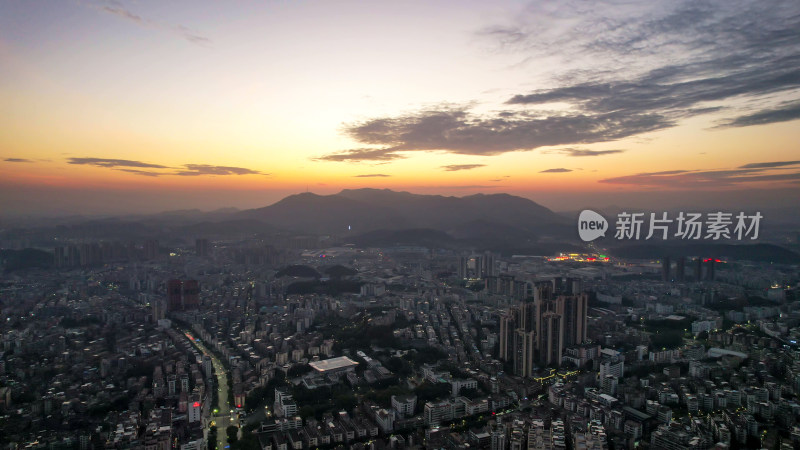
(183, 294)
(238, 395)
(195, 408)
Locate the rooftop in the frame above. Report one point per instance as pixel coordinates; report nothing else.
(332, 364)
(635, 413)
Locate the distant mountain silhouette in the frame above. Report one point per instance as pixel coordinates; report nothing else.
(312, 213)
(365, 210)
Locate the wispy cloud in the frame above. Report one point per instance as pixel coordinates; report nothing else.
(665, 93)
(18, 160)
(457, 167)
(462, 186)
(145, 173)
(191, 36)
(581, 152)
(766, 165)
(186, 170)
(782, 113)
(110, 163)
(361, 154)
(687, 179)
(372, 175)
(556, 170)
(697, 179)
(125, 14)
(718, 51)
(182, 31)
(206, 169)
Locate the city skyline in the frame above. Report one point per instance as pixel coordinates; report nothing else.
(121, 106)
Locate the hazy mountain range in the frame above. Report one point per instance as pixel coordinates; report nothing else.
(374, 217)
(364, 210)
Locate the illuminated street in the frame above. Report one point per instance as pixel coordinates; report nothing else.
(222, 418)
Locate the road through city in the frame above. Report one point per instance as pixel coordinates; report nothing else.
(221, 416)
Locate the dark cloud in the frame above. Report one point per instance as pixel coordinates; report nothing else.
(614, 81)
(772, 177)
(456, 130)
(372, 175)
(557, 170)
(749, 173)
(110, 163)
(206, 169)
(766, 165)
(667, 94)
(783, 113)
(362, 154)
(613, 57)
(623, 35)
(584, 152)
(18, 160)
(457, 167)
(145, 173)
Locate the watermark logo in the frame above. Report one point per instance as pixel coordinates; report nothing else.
(690, 226)
(591, 225)
(685, 226)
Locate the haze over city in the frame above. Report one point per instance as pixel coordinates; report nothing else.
(131, 107)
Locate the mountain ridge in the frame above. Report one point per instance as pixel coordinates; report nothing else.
(364, 210)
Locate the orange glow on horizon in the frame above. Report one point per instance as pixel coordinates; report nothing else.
(265, 100)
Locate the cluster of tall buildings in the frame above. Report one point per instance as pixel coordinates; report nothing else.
(508, 285)
(477, 266)
(181, 295)
(95, 253)
(698, 271)
(535, 331)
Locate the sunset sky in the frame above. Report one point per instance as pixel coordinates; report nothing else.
(135, 106)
